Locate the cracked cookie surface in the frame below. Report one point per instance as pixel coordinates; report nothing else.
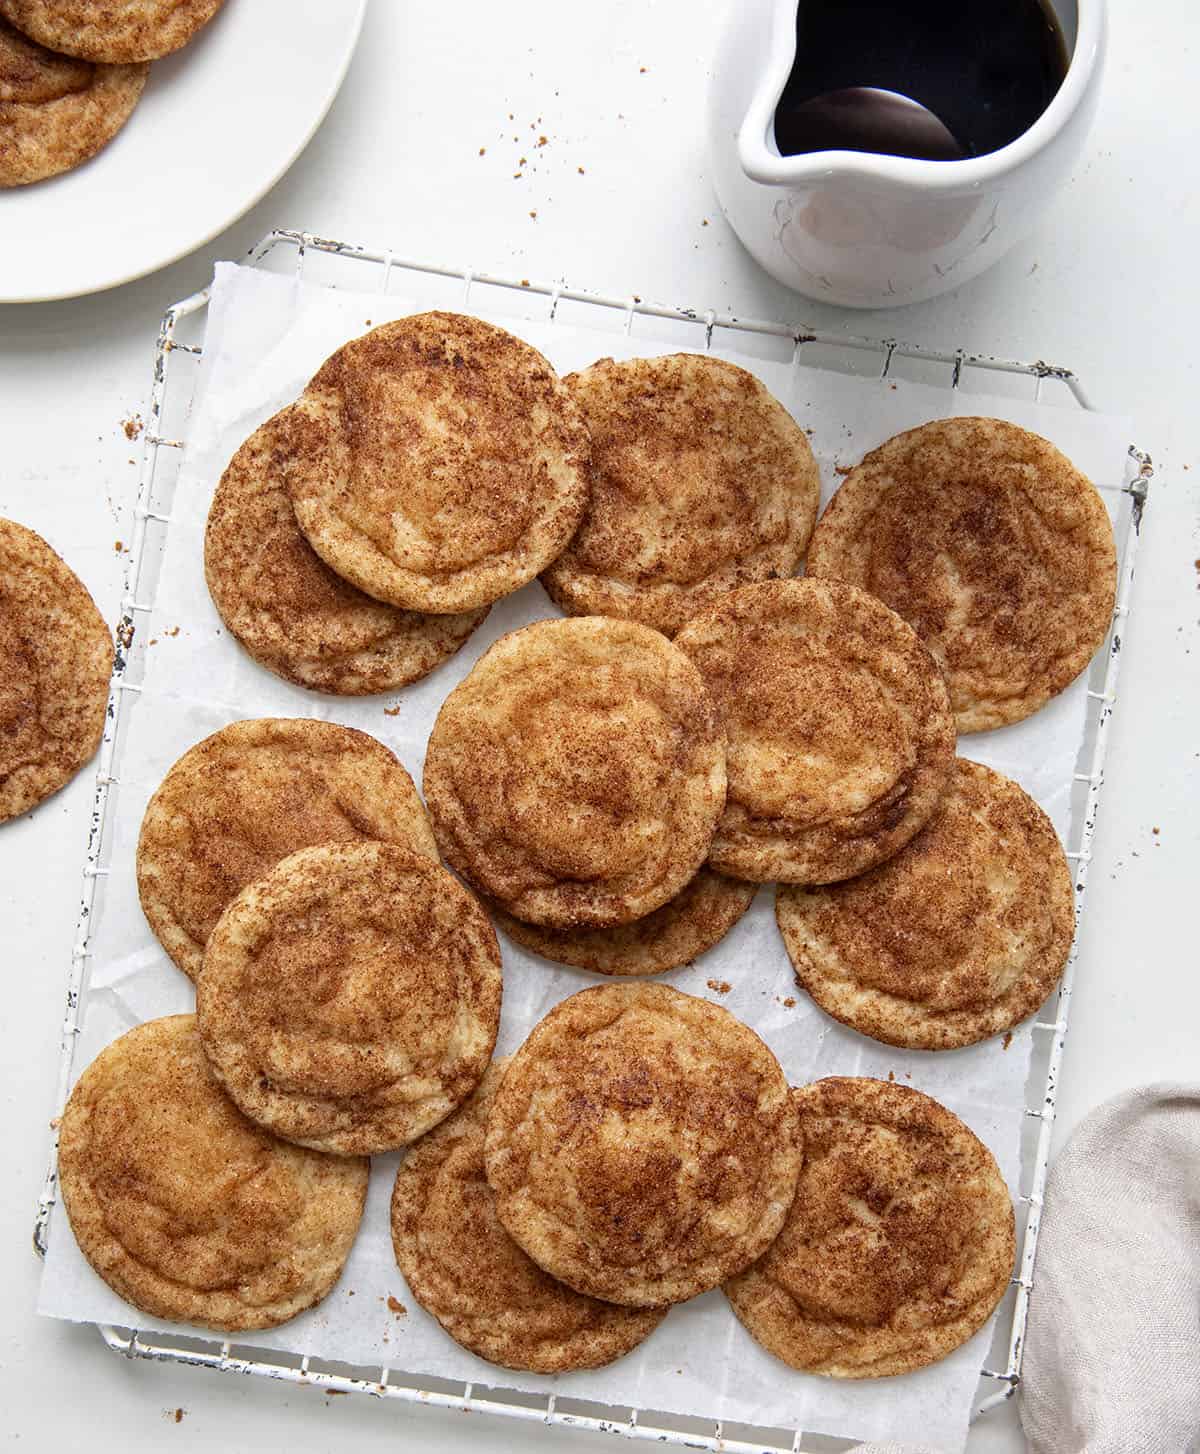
(247, 796)
(56, 656)
(959, 936)
(350, 998)
(575, 776)
(120, 31)
(56, 112)
(183, 1206)
(992, 545)
(467, 1272)
(288, 609)
(451, 463)
(643, 1145)
(701, 482)
(898, 1246)
(840, 739)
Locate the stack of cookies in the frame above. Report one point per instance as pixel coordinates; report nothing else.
(71, 72)
(611, 788)
(361, 534)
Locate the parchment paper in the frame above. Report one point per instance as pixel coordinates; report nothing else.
(265, 336)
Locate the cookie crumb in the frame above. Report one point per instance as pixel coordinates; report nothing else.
(174, 631)
(843, 469)
(392, 711)
(789, 1003)
(132, 426)
(581, 173)
(1008, 1039)
(533, 215)
(483, 151)
(397, 1307)
(891, 1075)
(118, 546)
(720, 986)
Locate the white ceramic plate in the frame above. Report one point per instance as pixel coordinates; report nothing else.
(217, 126)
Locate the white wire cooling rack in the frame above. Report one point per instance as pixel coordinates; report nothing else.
(179, 344)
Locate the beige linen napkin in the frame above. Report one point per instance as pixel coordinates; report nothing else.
(1112, 1347)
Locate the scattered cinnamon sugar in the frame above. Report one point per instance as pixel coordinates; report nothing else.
(720, 986)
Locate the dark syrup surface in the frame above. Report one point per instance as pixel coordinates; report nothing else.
(987, 69)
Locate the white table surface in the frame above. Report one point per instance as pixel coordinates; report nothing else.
(1108, 286)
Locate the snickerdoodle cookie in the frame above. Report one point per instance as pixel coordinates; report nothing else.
(111, 30)
(55, 112)
(576, 775)
(56, 656)
(701, 481)
(183, 1206)
(643, 1145)
(992, 545)
(840, 734)
(350, 998)
(959, 936)
(284, 604)
(249, 795)
(449, 464)
(698, 917)
(465, 1270)
(899, 1243)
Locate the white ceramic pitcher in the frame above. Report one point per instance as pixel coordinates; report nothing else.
(872, 231)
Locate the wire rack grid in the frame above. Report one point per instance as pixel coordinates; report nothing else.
(161, 455)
